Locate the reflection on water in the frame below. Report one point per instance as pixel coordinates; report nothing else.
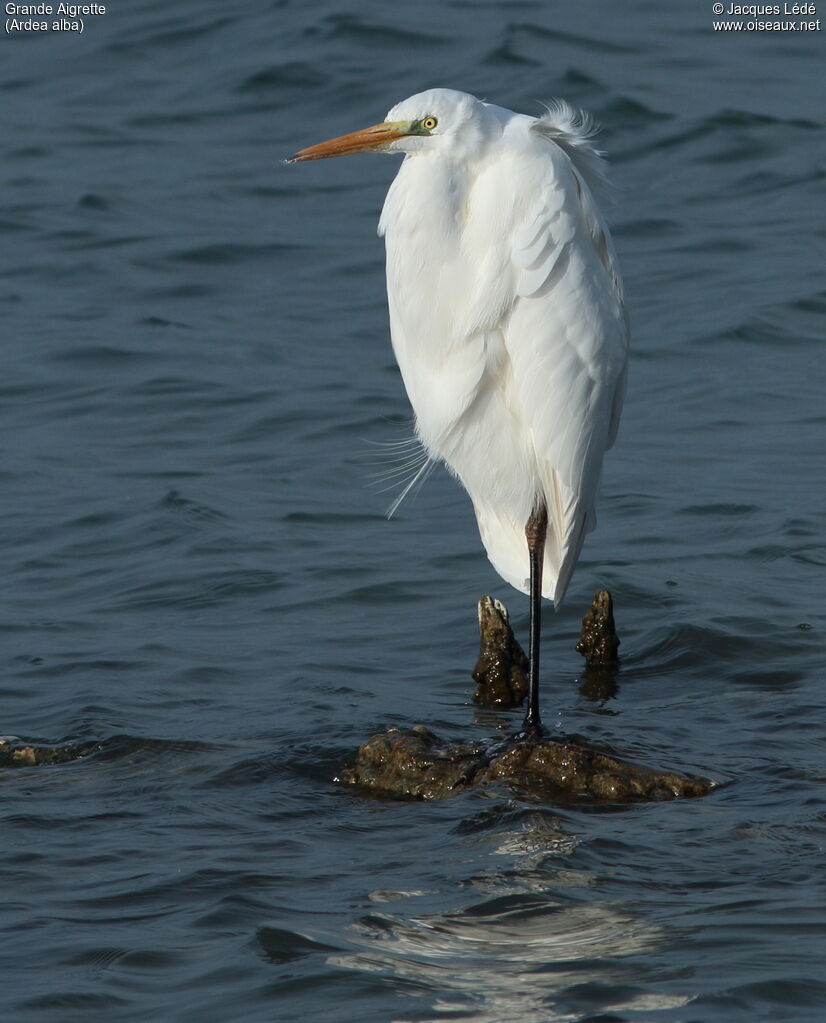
(508, 957)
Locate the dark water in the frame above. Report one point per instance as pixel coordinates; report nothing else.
(198, 574)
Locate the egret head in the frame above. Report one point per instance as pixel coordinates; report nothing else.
(437, 121)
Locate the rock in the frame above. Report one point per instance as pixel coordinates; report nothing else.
(415, 763)
(598, 641)
(410, 762)
(579, 773)
(501, 672)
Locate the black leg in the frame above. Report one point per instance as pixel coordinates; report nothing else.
(535, 531)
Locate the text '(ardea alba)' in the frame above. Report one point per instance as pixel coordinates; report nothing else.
(507, 320)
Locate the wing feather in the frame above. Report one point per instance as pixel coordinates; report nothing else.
(566, 337)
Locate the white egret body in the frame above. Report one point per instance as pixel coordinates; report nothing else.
(507, 318)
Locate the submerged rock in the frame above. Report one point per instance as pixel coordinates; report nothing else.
(15, 752)
(415, 763)
(501, 672)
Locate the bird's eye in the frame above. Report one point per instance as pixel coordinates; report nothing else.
(429, 122)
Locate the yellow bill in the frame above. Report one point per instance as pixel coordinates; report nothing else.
(376, 137)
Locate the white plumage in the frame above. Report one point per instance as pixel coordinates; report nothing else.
(506, 312)
(507, 317)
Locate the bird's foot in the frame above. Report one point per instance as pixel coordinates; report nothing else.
(532, 731)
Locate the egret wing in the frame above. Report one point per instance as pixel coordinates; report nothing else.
(566, 337)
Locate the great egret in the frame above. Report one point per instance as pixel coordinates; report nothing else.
(507, 320)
